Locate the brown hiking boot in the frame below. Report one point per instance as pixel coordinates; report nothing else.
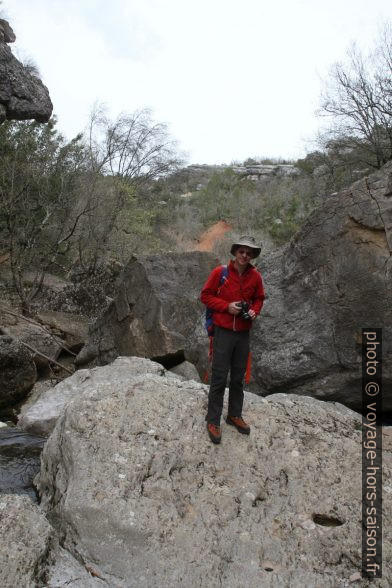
(239, 424)
(214, 432)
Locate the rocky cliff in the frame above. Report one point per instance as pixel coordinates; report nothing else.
(333, 279)
(256, 171)
(22, 94)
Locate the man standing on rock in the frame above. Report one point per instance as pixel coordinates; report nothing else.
(225, 293)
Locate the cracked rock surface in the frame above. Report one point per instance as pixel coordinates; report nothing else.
(138, 494)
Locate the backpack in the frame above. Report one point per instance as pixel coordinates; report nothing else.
(209, 312)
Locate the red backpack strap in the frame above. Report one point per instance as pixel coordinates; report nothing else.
(210, 351)
(248, 368)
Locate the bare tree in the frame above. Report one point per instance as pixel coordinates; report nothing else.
(132, 147)
(358, 99)
(123, 157)
(65, 205)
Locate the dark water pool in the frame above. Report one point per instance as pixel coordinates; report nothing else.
(19, 461)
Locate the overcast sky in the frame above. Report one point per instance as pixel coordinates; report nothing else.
(231, 79)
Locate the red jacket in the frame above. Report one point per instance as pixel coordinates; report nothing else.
(247, 286)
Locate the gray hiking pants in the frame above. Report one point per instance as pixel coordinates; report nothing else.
(230, 352)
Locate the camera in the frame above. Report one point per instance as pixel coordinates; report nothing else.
(244, 314)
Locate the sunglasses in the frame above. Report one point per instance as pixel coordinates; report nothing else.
(244, 252)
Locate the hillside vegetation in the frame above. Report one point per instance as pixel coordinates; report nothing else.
(76, 208)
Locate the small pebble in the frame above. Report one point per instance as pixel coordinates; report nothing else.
(308, 525)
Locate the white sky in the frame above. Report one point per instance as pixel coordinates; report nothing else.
(231, 79)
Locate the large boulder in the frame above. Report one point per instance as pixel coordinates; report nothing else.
(332, 280)
(73, 328)
(22, 94)
(155, 311)
(30, 552)
(17, 371)
(40, 417)
(42, 339)
(186, 371)
(25, 537)
(37, 338)
(137, 493)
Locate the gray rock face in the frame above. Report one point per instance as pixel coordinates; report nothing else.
(73, 328)
(17, 371)
(255, 171)
(332, 280)
(137, 492)
(155, 310)
(7, 35)
(260, 170)
(187, 371)
(64, 570)
(30, 554)
(24, 542)
(22, 95)
(38, 339)
(40, 418)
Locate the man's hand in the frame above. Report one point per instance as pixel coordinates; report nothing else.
(252, 314)
(235, 308)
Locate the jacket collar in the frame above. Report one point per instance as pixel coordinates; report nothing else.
(249, 268)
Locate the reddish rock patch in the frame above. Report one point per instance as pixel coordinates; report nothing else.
(208, 239)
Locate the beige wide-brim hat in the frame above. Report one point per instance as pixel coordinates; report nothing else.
(247, 241)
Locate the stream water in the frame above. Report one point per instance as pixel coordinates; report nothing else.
(19, 460)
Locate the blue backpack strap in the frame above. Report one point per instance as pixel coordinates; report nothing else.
(223, 276)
